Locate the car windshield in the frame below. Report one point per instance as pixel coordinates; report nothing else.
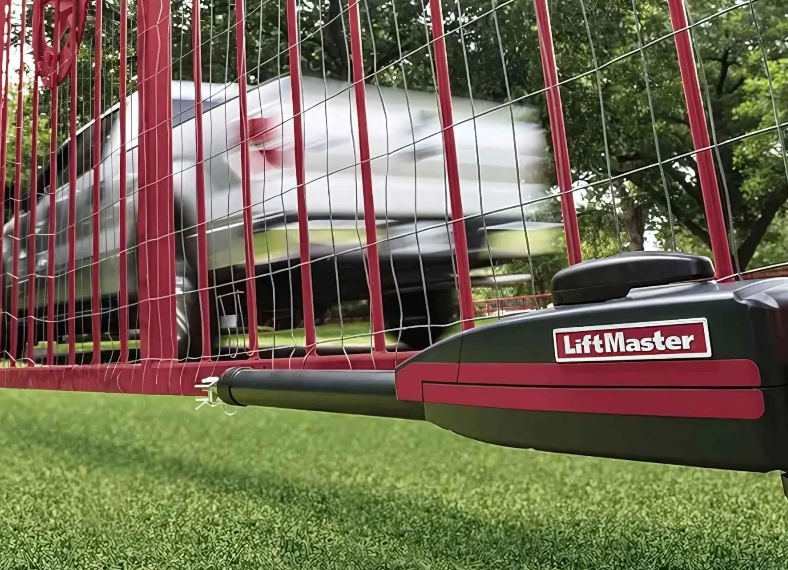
(182, 111)
(84, 156)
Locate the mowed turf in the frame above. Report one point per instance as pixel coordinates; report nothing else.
(116, 481)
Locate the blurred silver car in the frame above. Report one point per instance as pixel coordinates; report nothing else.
(501, 158)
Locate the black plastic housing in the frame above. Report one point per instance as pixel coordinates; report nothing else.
(357, 392)
(613, 277)
(747, 321)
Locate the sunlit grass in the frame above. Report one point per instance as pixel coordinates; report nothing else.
(141, 482)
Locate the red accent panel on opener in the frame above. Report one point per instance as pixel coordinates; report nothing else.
(737, 404)
(410, 378)
(668, 373)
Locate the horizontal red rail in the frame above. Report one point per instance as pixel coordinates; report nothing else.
(667, 374)
(177, 378)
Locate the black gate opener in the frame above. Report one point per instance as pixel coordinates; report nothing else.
(643, 357)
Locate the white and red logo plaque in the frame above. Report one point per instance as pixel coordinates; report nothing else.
(653, 340)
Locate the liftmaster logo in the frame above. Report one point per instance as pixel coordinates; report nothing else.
(655, 340)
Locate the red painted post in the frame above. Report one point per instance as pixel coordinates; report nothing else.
(95, 280)
(52, 218)
(202, 238)
(555, 113)
(31, 228)
(14, 334)
(696, 114)
(51, 229)
(246, 183)
(71, 268)
(294, 53)
(375, 285)
(123, 302)
(155, 226)
(136, 379)
(6, 58)
(467, 312)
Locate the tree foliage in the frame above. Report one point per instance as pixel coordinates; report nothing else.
(629, 138)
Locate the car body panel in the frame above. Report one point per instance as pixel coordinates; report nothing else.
(501, 158)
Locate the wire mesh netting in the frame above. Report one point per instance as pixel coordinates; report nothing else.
(343, 182)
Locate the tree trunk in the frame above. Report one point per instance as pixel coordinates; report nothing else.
(634, 220)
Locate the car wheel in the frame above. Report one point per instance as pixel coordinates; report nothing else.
(419, 322)
(21, 345)
(188, 315)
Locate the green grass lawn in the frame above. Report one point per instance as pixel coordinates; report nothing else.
(114, 481)
(335, 335)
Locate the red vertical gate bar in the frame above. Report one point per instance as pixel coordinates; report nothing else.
(156, 219)
(696, 114)
(202, 238)
(246, 183)
(294, 53)
(370, 226)
(14, 333)
(71, 269)
(555, 113)
(95, 280)
(467, 312)
(31, 227)
(6, 58)
(52, 219)
(123, 302)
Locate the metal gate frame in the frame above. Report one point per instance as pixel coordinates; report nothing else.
(160, 372)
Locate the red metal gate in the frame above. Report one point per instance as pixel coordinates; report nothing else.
(279, 199)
